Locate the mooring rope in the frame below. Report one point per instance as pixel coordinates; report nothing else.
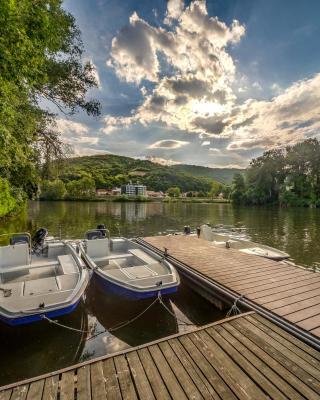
(119, 325)
(52, 321)
(235, 310)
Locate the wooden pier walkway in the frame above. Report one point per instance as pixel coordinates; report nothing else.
(244, 357)
(290, 292)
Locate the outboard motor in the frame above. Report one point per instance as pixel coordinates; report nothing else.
(198, 231)
(187, 230)
(38, 239)
(102, 229)
(94, 234)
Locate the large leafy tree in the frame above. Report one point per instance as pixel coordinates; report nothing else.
(40, 63)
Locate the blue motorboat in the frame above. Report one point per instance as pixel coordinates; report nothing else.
(126, 268)
(39, 279)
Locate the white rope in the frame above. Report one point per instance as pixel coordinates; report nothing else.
(51, 321)
(121, 324)
(235, 310)
(171, 313)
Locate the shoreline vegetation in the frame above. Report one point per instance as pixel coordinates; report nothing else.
(142, 199)
(286, 177)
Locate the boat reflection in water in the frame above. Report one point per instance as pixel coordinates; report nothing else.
(34, 349)
(111, 310)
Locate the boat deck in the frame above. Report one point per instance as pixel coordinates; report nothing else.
(289, 292)
(243, 357)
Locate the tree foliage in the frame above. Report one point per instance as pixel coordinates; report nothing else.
(40, 60)
(287, 176)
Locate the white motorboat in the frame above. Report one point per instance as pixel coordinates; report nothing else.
(39, 278)
(127, 268)
(233, 241)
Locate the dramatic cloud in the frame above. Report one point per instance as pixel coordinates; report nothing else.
(189, 66)
(174, 10)
(168, 144)
(286, 119)
(186, 78)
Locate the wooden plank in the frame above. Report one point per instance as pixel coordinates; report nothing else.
(311, 323)
(274, 279)
(19, 392)
(156, 382)
(50, 390)
(279, 285)
(67, 386)
(181, 374)
(195, 373)
(98, 389)
(288, 293)
(83, 383)
(300, 305)
(231, 373)
(35, 390)
(291, 300)
(140, 378)
(316, 331)
(293, 287)
(244, 364)
(209, 372)
(126, 384)
(5, 394)
(298, 316)
(290, 371)
(111, 380)
(173, 386)
(297, 350)
(282, 387)
(254, 275)
(289, 354)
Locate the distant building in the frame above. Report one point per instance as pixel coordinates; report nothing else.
(102, 192)
(116, 191)
(134, 190)
(151, 193)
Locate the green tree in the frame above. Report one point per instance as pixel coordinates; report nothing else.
(238, 189)
(52, 190)
(84, 188)
(174, 192)
(41, 53)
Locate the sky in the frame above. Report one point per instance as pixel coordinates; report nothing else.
(211, 83)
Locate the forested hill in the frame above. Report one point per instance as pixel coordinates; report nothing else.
(223, 175)
(111, 170)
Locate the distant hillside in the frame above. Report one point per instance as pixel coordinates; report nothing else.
(223, 175)
(109, 170)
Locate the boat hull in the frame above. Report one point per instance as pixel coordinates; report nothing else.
(115, 288)
(29, 319)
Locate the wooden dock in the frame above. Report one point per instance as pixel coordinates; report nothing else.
(243, 357)
(289, 292)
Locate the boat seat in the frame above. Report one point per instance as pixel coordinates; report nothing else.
(67, 282)
(67, 265)
(23, 303)
(142, 255)
(40, 286)
(16, 290)
(98, 248)
(14, 256)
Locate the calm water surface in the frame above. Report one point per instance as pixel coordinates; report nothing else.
(39, 348)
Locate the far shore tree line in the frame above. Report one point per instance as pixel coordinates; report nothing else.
(287, 176)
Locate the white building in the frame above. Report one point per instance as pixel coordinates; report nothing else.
(134, 190)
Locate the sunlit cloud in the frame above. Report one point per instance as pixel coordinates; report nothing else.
(168, 144)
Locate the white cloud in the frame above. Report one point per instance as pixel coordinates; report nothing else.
(196, 50)
(161, 161)
(168, 144)
(197, 95)
(205, 143)
(67, 127)
(174, 10)
(285, 119)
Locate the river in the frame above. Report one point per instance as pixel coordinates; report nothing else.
(39, 348)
